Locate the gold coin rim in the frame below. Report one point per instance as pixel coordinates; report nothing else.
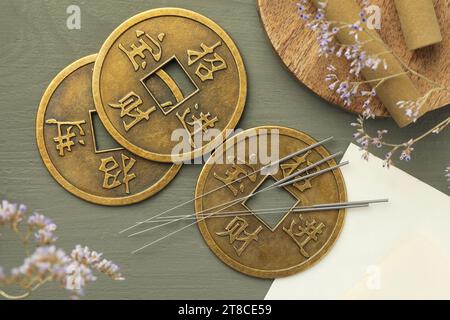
(271, 274)
(178, 12)
(116, 201)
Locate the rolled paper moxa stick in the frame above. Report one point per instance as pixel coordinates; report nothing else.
(419, 23)
(397, 85)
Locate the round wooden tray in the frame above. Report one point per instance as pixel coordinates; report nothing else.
(297, 47)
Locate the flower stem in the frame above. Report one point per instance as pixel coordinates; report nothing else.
(380, 79)
(439, 127)
(11, 297)
(26, 294)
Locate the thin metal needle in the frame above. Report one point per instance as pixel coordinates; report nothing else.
(279, 183)
(159, 219)
(273, 210)
(295, 210)
(260, 210)
(239, 179)
(247, 213)
(176, 231)
(312, 175)
(299, 210)
(235, 201)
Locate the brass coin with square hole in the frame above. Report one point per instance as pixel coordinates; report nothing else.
(80, 154)
(167, 75)
(262, 235)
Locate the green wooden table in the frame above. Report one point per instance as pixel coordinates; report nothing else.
(36, 45)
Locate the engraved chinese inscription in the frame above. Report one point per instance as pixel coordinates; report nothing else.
(262, 228)
(78, 151)
(297, 163)
(206, 69)
(234, 177)
(236, 231)
(146, 44)
(129, 107)
(66, 134)
(112, 169)
(304, 231)
(168, 84)
(198, 124)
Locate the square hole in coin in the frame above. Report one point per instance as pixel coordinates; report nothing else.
(279, 199)
(103, 142)
(170, 85)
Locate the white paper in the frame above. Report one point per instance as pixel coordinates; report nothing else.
(398, 250)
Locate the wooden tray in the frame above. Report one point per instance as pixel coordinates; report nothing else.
(297, 47)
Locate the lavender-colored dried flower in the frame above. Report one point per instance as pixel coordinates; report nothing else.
(412, 108)
(110, 269)
(39, 221)
(378, 140)
(85, 256)
(45, 262)
(11, 213)
(348, 89)
(387, 160)
(45, 235)
(78, 275)
(301, 6)
(365, 155)
(48, 263)
(406, 153)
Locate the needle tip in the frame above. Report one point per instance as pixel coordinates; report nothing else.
(129, 228)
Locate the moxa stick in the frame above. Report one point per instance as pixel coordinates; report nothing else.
(397, 85)
(419, 23)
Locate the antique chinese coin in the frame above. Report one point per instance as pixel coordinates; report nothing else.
(79, 153)
(268, 242)
(168, 83)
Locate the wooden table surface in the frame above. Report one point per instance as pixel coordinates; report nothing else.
(37, 45)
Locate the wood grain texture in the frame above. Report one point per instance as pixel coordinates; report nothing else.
(182, 267)
(297, 47)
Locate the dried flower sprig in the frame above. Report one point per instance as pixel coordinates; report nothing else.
(49, 263)
(358, 59)
(405, 149)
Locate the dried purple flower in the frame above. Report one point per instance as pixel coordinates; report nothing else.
(48, 263)
(348, 89)
(84, 256)
(11, 213)
(39, 221)
(45, 235)
(406, 153)
(110, 269)
(387, 160)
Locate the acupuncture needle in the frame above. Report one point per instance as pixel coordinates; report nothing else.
(295, 210)
(296, 153)
(237, 180)
(201, 219)
(343, 205)
(283, 182)
(280, 183)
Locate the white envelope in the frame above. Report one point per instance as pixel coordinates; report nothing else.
(398, 250)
